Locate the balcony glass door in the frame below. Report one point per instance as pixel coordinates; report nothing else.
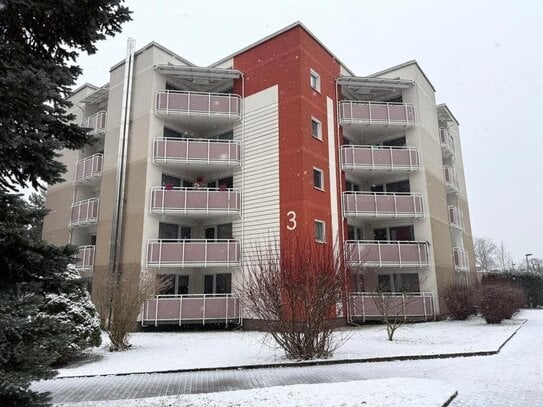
(218, 283)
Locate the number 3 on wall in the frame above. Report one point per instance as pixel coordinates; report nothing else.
(292, 220)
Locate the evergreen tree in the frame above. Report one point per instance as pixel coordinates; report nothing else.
(44, 311)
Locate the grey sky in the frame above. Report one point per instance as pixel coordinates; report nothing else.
(484, 58)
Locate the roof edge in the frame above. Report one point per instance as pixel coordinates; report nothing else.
(161, 47)
(275, 34)
(448, 111)
(403, 65)
(81, 87)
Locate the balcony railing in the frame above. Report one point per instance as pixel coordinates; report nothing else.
(208, 201)
(88, 169)
(84, 212)
(174, 102)
(192, 308)
(85, 258)
(460, 259)
(379, 158)
(192, 253)
(95, 123)
(456, 217)
(447, 143)
(382, 205)
(376, 253)
(451, 180)
(408, 306)
(196, 151)
(376, 113)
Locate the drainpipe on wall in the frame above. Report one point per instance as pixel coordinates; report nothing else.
(120, 181)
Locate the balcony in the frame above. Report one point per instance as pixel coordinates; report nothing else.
(378, 159)
(84, 213)
(207, 202)
(191, 309)
(95, 123)
(447, 143)
(88, 170)
(193, 253)
(411, 306)
(198, 109)
(197, 154)
(380, 205)
(381, 254)
(451, 180)
(85, 259)
(460, 259)
(358, 114)
(456, 218)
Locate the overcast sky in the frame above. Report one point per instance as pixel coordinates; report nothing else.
(484, 58)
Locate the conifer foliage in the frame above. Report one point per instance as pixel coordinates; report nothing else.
(45, 313)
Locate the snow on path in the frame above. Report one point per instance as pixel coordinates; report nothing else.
(370, 393)
(163, 351)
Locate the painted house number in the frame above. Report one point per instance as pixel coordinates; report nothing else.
(292, 220)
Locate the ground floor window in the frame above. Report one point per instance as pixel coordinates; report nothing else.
(218, 283)
(398, 282)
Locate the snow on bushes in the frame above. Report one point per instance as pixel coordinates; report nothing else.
(499, 301)
(460, 301)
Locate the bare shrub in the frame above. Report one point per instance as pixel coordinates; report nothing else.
(460, 301)
(392, 307)
(121, 303)
(500, 301)
(295, 289)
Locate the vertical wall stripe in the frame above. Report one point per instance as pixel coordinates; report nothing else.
(332, 171)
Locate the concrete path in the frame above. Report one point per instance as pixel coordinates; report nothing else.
(514, 377)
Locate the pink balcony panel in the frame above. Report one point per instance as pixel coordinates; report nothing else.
(89, 168)
(179, 102)
(192, 308)
(371, 253)
(85, 258)
(375, 205)
(196, 150)
(188, 200)
(96, 122)
(193, 253)
(408, 306)
(84, 212)
(355, 112)
(379, 158)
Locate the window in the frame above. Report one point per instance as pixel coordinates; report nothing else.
(318, 179)
(170, 182)
(223, 231)
(173, 231)
(169, 133)
(218, 283)
(320, 231)
(398, 283)
(316, 128)
(351, 186)
(315, 80)
(354, 233)
(176, 284)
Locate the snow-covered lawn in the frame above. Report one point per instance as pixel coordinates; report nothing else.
(163, 351)
(370, 393)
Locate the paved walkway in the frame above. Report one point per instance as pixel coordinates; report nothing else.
(514, 377)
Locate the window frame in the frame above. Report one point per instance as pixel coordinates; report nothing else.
(318, 136)
(323, 230)
(314, 74)
(321, 172)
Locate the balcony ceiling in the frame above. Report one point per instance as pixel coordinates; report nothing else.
(98, 96)
(198, 78)
(375, 89)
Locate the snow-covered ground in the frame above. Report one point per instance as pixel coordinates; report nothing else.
(163, 351)
(370, 393)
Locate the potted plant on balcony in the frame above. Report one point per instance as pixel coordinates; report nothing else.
(199, 183)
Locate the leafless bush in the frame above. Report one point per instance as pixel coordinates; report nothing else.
(121, 303)
(500, 301)
(460, 301)
(392, 310)
(295, 289)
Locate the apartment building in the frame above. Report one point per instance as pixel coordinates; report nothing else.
(194, 165)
